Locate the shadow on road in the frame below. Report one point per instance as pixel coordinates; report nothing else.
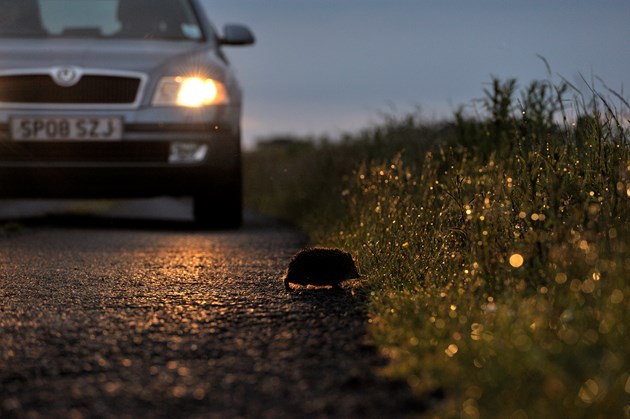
(340, 327)
(160, 214)
(100, 222)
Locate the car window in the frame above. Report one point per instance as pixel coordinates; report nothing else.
(152, 19)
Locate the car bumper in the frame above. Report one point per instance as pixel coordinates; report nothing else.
(142, 164)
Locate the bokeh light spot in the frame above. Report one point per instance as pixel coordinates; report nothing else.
(516, 260)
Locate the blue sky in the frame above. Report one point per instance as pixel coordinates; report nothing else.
(331, 66)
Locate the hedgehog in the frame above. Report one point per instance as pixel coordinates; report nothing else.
(317, 266)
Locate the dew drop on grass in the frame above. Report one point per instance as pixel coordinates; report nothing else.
(561, 278)
(589, 391)
(470, 410)
(588, 286)
(451, 350)
(516, 260)
(616, 297)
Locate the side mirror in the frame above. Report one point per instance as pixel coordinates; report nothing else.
(237, 35)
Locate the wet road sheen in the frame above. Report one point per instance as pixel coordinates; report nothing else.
(165, 323)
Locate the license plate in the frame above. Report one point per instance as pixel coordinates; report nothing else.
(68, 128)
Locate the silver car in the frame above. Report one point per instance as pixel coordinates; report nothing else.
(120, 98)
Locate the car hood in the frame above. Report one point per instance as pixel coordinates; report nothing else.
(131, 55)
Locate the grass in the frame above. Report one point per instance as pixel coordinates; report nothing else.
(495, 246)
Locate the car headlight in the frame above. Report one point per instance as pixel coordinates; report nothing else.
(191, 92)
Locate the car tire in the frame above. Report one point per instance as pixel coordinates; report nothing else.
(222, 209)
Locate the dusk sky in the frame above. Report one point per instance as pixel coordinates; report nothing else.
(332, 66)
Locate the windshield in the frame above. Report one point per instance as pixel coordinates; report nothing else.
(152, 19)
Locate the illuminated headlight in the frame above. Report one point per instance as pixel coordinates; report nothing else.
(191, 92)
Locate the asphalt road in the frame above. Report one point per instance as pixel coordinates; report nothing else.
(125, 310)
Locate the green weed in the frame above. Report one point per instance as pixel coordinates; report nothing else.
(496, 247)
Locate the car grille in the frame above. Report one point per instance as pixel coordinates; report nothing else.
(91, 89)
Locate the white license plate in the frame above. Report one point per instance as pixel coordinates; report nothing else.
(68, 128)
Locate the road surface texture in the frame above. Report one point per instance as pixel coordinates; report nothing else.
(122, 317)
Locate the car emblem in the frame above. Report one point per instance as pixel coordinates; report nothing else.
(66, 76)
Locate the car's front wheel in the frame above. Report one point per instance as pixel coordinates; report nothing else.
(219, 205)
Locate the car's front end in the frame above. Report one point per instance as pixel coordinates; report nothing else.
(89, 113)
